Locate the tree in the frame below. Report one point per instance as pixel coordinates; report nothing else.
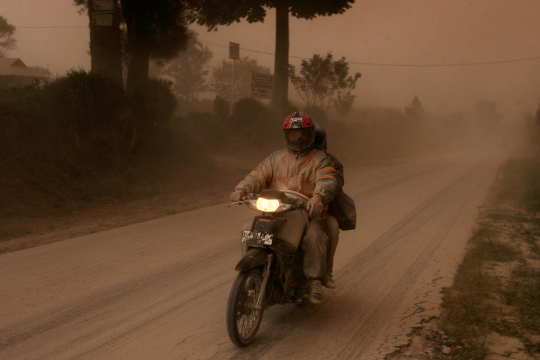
(105, 41)
(155, 29)
(189, 70)
(415, 109)
(222, 77)
(212, 13)
(7, 42)
(324, 82)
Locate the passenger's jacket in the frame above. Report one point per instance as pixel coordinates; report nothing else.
(338, 166)
(342, 207)
(308, 173)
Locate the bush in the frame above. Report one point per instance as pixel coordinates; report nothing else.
(15, 101)
(152, 105)
(195, 106)
(80, 137)
(70, 120)
(84, 100)
(202, 126)
(16, 104)
(153, 101)
(256, 122)
(83, 110)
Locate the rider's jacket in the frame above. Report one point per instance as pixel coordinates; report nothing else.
(308, 173)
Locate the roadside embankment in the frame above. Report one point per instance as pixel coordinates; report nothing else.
(492, 310)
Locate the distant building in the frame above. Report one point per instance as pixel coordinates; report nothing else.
(14, 72)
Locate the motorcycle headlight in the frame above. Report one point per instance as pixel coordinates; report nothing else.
(270, 205)
(266, 205)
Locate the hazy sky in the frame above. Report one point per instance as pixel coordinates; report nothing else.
(406, 32)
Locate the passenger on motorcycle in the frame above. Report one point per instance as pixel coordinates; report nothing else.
(332, 226)
(306, 170)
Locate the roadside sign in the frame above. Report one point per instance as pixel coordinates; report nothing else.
(261, 85)
(234, 51)
(102, 19)
(103, 5)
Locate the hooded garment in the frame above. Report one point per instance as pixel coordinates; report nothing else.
(307, 173)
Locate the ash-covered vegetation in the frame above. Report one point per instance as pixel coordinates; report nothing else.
(81, 139)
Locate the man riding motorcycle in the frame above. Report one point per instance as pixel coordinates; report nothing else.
(303, 169)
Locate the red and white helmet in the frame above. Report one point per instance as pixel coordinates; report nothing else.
(302, 121)
(298, 120)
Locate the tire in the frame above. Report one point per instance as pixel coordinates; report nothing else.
(243, 320)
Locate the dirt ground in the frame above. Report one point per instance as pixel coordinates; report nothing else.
(211, 188)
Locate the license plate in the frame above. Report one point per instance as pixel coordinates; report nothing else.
(257, 237)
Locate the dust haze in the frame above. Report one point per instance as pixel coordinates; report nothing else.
(438, 77)
(453, 55)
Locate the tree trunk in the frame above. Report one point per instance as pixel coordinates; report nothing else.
(105, 45)
(139, 55)
(138, 66)
(280, 94)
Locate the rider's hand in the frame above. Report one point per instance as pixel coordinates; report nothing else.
(237, 195)
(315, 205)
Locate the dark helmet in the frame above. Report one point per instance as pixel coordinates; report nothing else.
(299, 120)
(319, 142)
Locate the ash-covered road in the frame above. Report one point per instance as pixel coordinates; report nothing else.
(158, 289)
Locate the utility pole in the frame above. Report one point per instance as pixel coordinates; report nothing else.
(234, 54)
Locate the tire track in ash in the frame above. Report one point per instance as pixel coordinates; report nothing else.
(118, 246)
(101, 302)
(396, 237)
(399, 181)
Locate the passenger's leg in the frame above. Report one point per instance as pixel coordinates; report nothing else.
(333, 238)
(314, 245)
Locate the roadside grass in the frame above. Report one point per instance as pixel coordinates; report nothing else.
(8, 233)
(470, 304)
(524, 294)
(497, 286)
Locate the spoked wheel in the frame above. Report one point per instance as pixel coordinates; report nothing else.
(243, 319)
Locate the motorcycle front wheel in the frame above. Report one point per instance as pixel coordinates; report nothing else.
(243, 319)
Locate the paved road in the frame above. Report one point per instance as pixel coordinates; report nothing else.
(158, 290)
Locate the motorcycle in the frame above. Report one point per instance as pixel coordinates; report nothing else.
(270, 270)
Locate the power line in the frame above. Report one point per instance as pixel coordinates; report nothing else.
(448, 65)
(396, 64)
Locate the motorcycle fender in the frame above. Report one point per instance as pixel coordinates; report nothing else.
(251, 259)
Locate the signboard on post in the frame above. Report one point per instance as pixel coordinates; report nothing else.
(234, 51)
(102, 19)
(261, 85)
(103, 5)
(102, 14)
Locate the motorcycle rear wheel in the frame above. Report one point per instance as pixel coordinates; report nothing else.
(243, 320)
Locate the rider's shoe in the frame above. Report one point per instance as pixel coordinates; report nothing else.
(315, 291)
(328, 281)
